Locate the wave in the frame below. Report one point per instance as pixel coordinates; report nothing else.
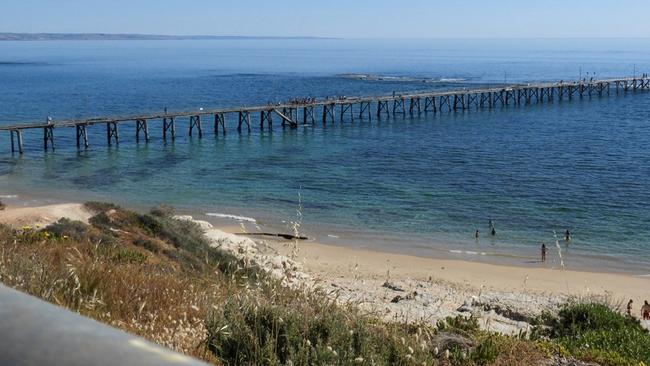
(408, 79)
(468, 252)
(8, 196)
(234, 217)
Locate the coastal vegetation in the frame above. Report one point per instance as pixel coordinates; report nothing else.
(158, 277)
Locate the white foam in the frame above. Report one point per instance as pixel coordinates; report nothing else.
(234, 217)
(332, 236)
(8, 196)
(467, 252)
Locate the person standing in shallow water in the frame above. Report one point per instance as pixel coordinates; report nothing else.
(543, 252)
(493, 230)
(567, 235)
(477, 235)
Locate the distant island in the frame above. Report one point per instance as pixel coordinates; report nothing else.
(124, 37)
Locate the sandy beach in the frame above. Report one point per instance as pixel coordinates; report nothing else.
(400, 287)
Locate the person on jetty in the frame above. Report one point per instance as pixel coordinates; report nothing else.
(629, 308)
(543, 252)
(645, 311)
(567, 235)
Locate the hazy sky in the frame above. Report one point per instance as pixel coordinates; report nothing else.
(334, 18)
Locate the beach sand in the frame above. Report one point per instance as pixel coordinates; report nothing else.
(401, 287)
(407, 288)
(40, 216)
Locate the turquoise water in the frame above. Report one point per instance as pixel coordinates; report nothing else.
(420, 185)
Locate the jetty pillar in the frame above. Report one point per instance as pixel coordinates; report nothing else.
(308, 114)
(444, 100)
(472, 98)
(398, 106)
(48, 137)
(430, 104)
(347, 107)
(244, 117)
(265, 116)
(364, 108)
(195, 122)
(141, 125)
(112, 133)
(382, 107)
(19, 140)
(414, 106)
(169, 126)
(328, 112)
(220, 120)
(82, 134)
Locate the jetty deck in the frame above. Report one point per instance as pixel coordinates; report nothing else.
(330, 110)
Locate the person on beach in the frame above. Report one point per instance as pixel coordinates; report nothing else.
(629, 308)
(567, 235)
(543, 252)
(645, 311)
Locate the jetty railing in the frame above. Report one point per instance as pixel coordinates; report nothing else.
(331, 109)
(35, 332)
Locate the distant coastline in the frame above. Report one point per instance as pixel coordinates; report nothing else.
(128, 37)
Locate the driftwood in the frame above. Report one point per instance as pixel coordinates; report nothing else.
(279, 235)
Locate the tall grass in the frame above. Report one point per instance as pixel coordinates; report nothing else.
(159, 278)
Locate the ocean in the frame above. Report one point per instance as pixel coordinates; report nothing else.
(419, 185)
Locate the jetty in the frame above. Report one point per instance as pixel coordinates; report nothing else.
(329, 110)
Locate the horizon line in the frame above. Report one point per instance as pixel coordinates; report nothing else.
(20, 36)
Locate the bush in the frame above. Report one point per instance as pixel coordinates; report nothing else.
(68, 228)
(129, 256)
(459, 324)
(308, 329)
(594, 332)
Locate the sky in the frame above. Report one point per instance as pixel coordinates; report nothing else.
(333, 18)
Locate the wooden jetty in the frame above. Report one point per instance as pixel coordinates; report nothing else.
(329, 110)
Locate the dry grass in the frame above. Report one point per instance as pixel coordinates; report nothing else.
(119, 277)
(157, 277)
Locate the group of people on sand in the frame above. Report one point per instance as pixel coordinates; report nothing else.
(645, 310)
(543, 249)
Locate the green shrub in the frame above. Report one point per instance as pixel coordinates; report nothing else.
(459, 324)
(594, 332)
(486, 352)
(129, 256)
(68, 228)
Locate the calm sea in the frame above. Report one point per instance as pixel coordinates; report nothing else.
(420, 185)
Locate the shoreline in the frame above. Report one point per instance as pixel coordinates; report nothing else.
(347, 238)
(398, 286)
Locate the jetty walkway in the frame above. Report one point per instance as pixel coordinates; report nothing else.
(329, 110)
